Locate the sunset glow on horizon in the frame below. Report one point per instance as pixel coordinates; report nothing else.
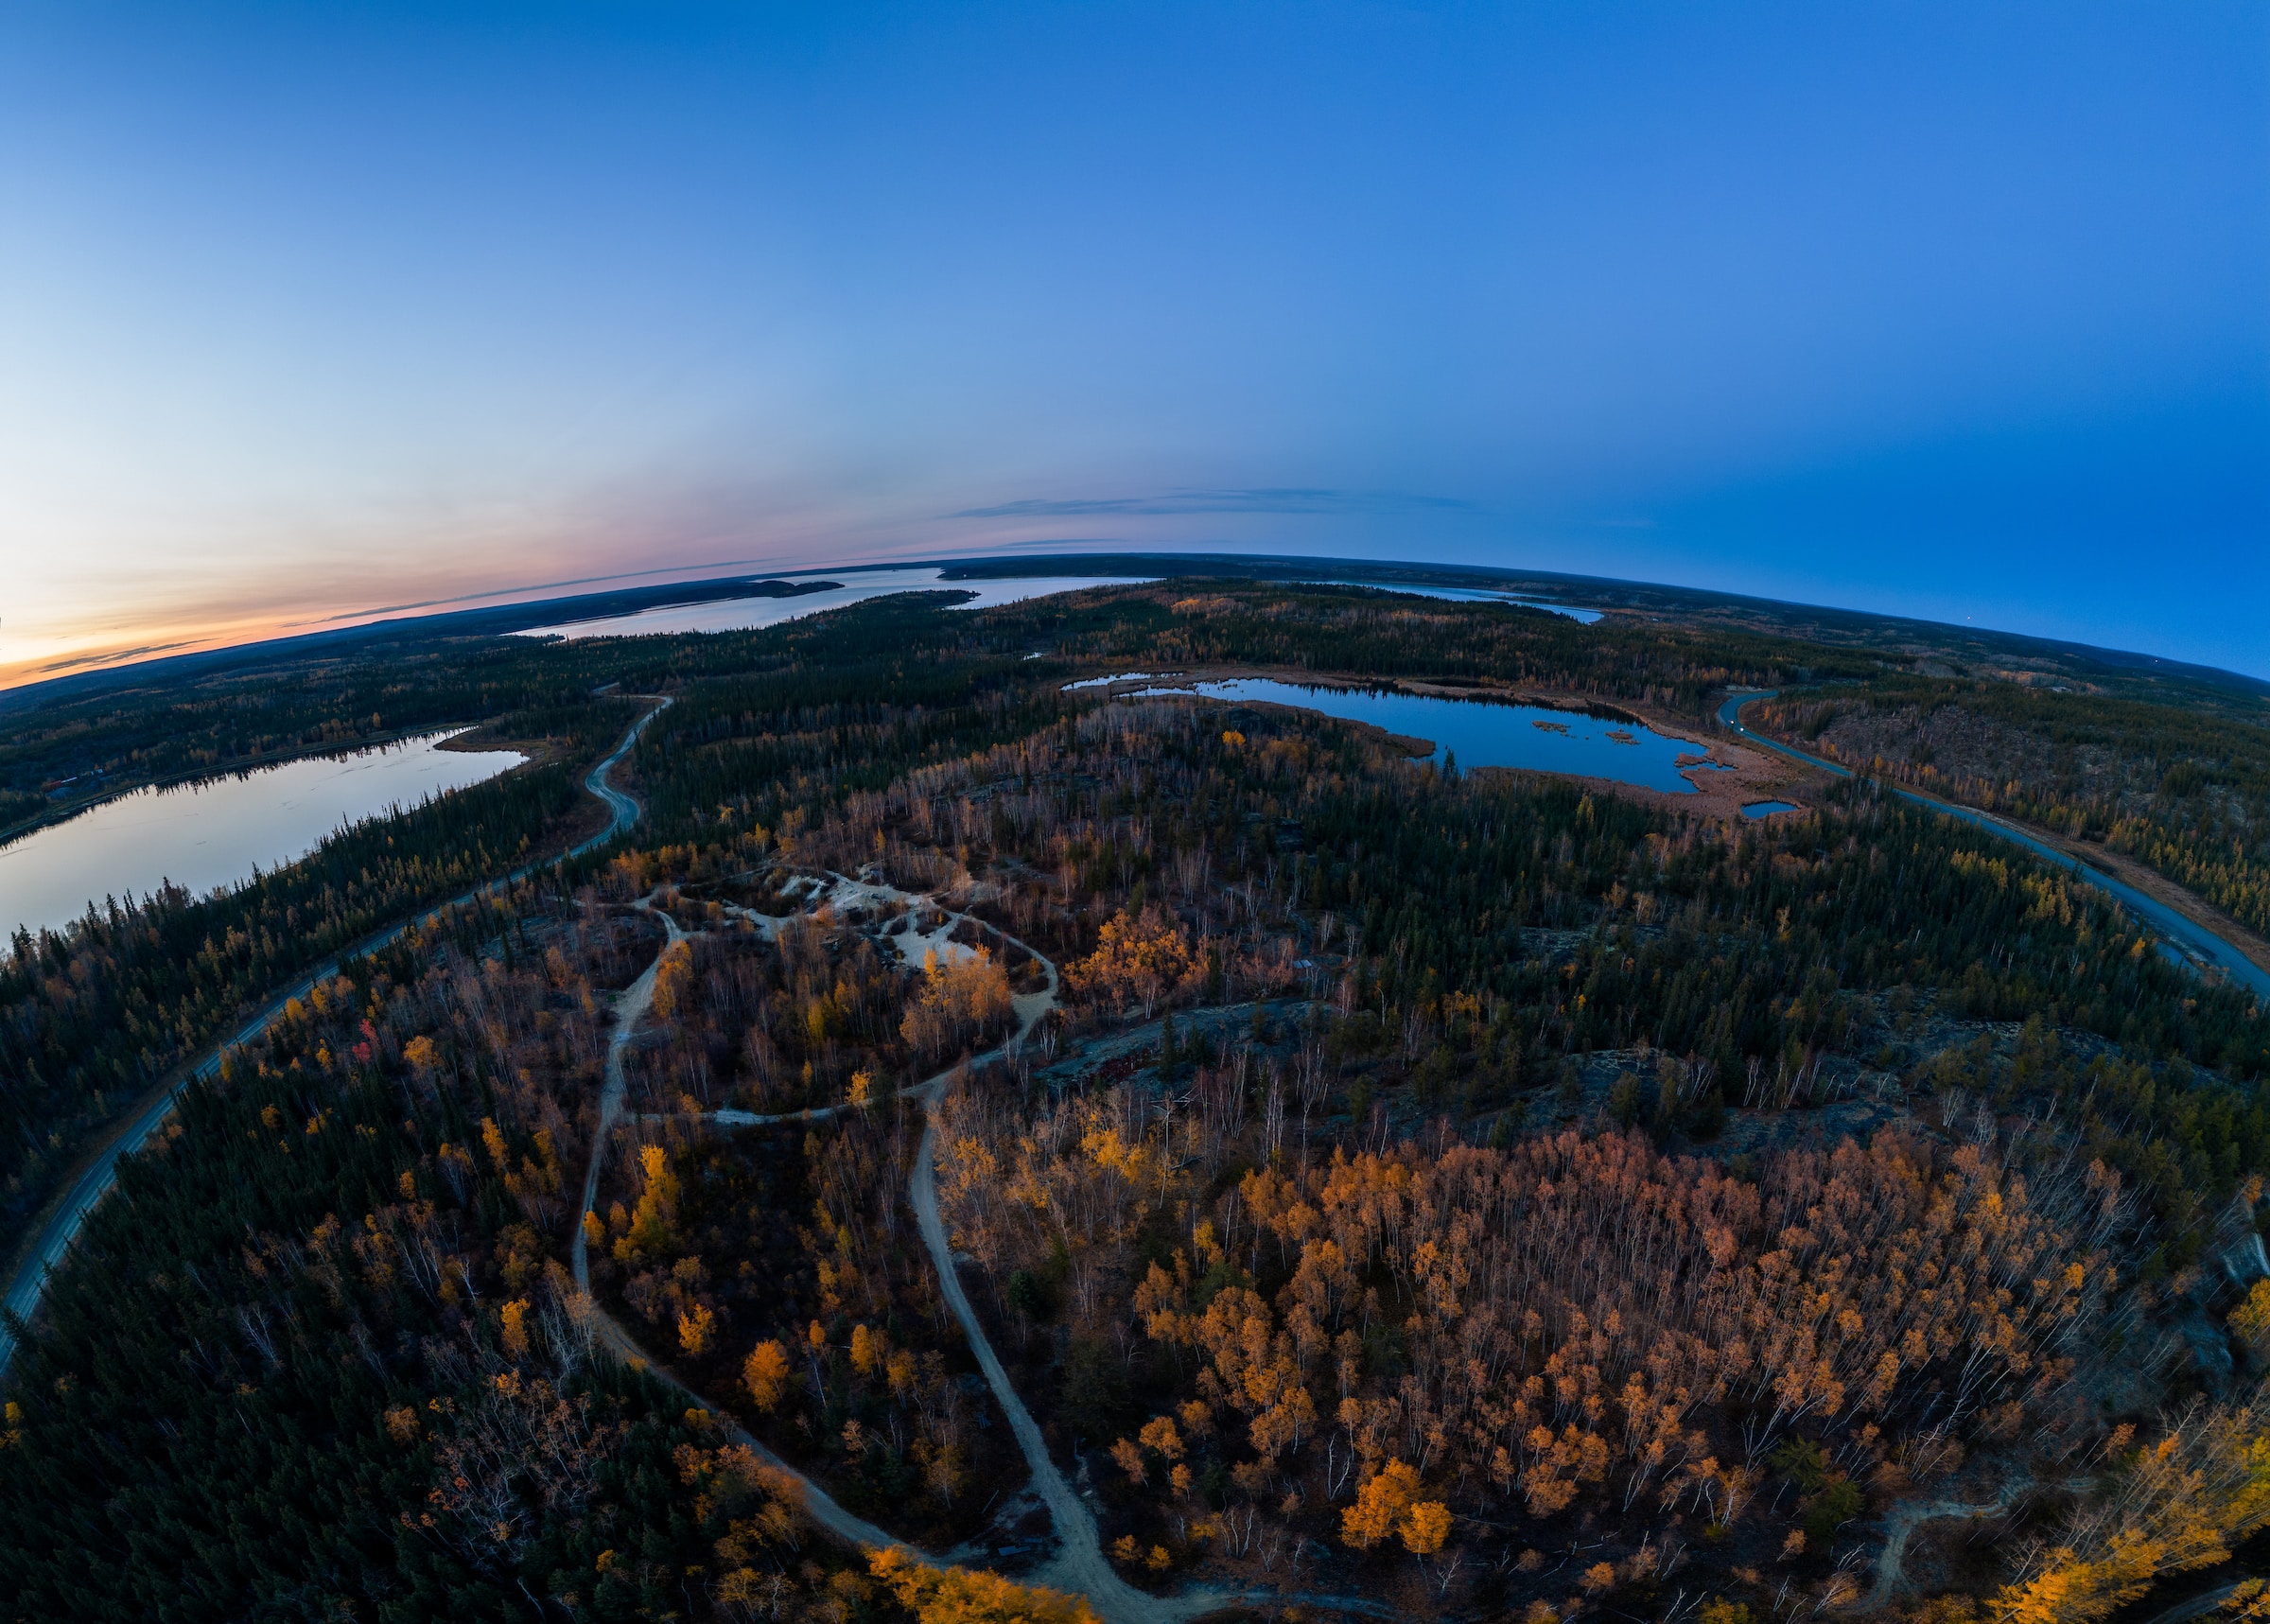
(311, 316)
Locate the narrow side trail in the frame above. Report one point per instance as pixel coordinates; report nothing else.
(1900, 1522)
(64, 1219)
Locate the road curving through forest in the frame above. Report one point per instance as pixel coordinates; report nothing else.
(631, 1007)
(64, 1220)
(2190, 938)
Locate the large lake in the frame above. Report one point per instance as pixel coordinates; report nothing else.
(747, 613)
(1468, 595)
(214, 832)
(1482, 733)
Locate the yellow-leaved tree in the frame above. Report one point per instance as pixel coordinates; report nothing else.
(673, 980)
(697, 1327)
(960, 1596)
(1380, 1505)
(2176, 1506)
(650, 1230)
(960, 998)
(1138, 961)
(765, 1373)
(1425, 1525)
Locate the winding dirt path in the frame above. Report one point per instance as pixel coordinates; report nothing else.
(1901, 1521)
(1079, 1563)
(1079, 1566)
(631, 1007)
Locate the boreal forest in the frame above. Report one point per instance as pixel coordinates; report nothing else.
(1009, 1132)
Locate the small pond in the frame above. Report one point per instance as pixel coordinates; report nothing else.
(747, 613)
(216, 831)
(1116, 676)
(1767, 808)
(1483, 733)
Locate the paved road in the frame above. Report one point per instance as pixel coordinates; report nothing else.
(2191, 938)
(62, 1225)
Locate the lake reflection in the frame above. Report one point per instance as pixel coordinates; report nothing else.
(1483, 733)
(1469, 595)
(217, 832)
(747, 613)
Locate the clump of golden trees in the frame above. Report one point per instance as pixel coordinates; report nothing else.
(962, 999)
(969, 1596)
(2171, 1507)
(1570, 1318)
(1140, 961)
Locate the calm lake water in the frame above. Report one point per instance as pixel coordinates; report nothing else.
(1469, 595)
(747, 614)
(1482, 733)
(217, 832)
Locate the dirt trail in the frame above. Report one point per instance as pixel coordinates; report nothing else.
(2206, 1601)
(1079, 1563)
(1079, 1566)
(1901, 1520)
(631, 1007)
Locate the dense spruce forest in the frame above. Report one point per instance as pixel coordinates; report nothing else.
(1469, 1194)
(91, 1019)
(2185, 790)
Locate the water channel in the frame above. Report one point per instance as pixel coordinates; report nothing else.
(216, 831)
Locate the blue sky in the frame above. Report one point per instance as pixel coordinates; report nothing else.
(1942, 309)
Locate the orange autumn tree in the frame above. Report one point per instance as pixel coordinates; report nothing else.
(1424, 1526)
(1138, 961)
(2178, 1506)
(960, 998)
(674, 979)
(1380, 1504)
(765, 1373)
(959, 1596)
